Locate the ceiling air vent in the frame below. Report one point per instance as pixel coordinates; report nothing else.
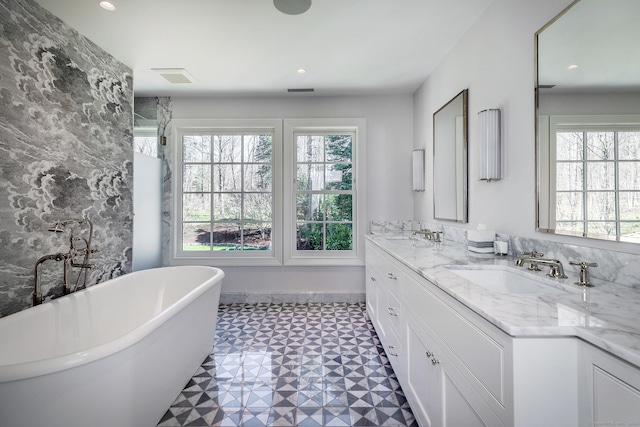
(301, 90)
(175, 75)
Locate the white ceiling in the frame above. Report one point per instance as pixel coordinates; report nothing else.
(248, 48)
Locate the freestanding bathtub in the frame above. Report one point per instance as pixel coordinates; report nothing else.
(116, 354)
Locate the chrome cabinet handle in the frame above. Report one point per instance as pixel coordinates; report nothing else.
(373, 279)
(392, 276)
(392, 312)
(390, 347)
(432, 356)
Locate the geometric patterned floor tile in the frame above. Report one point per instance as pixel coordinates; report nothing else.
(315, 364)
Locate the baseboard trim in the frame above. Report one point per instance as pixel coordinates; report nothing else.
(291, 297)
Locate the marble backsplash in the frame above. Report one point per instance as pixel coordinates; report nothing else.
(616, 267)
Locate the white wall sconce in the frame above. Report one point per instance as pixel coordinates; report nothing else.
(418, 170)
(489, 149)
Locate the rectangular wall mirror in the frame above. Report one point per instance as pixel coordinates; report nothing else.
(588, 121)
(450, 160)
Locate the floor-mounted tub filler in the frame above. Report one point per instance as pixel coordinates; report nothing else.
(115, 354)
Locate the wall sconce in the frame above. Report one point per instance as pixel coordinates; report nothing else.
(418, 170)
(489, 150)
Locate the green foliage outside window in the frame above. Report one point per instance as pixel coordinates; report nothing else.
(324, 204)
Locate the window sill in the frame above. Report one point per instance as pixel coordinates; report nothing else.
(226, 262)
(268, 262)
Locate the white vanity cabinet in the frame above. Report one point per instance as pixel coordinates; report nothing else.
(410, 320)
(609, 389)
(458, 369)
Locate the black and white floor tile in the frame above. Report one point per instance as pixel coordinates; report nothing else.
(316, 364)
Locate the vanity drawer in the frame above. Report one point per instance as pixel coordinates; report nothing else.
(471, 348)
(389, 271)
(394, 313)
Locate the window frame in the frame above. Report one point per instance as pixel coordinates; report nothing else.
(283, 233)
(585, 124)
(183, 127)
(293, 256)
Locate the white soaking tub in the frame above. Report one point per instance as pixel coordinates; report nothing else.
(116, 354)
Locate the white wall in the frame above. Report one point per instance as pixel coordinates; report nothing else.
(389, 195)
(589, 104)
(495, 61)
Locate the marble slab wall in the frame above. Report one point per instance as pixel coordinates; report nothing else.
(165, 129)
(616, 267)
(66, 150)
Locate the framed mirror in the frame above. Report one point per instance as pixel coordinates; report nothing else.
(588, 121)
(450, 160)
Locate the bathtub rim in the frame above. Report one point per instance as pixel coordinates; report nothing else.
(36, 368)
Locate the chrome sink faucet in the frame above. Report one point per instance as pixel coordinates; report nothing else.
(556, 269)
(526, 256)
(555, 266)
(428, 234)
(583, 277)
(434, 236)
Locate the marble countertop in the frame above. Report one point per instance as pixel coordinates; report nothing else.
(609, 319)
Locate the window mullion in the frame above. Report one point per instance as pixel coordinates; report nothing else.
(585, 185)
(616, 184)
(242, 190)
(211, 197)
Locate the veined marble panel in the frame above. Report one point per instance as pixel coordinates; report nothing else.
(165, 128)
(613, 267)
(617, 267)
(290, 297)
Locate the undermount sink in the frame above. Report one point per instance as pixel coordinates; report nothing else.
(505, 280)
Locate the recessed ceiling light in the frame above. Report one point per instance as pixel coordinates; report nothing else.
(572, 67)
(301, 71)
(175, 75)
(107, 6)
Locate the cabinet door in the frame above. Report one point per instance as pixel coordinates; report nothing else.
(423, 386)
(615, 401)
(439, 394)
(457, 410)
(611, 393)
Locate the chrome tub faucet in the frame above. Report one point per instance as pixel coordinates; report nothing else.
(37, 294)
(77, 256)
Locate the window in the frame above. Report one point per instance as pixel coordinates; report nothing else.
(325, 201)
(597, 179)
(324, 191)
(248, 193)
(227, 183)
